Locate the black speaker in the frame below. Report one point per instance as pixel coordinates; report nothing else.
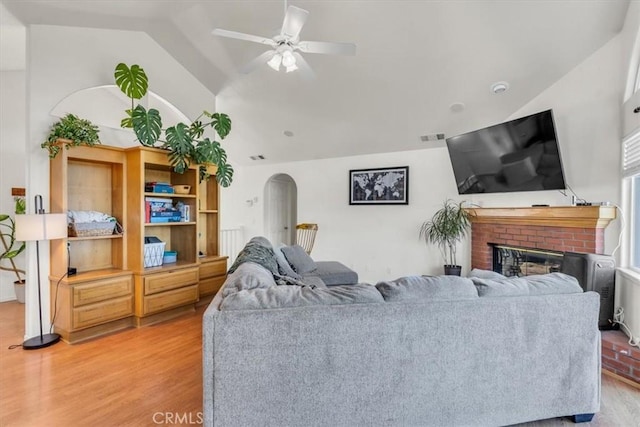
(594, 273)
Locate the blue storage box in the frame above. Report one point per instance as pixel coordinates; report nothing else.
(169, 257)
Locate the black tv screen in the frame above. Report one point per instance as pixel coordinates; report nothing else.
(519, 155)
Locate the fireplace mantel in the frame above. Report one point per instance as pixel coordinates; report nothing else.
(554, 216)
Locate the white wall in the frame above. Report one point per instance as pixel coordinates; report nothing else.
(379, 242)
(12, 160)
(62, 60)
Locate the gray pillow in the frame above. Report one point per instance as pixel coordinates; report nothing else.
(298, 259)
(298, 296)
(248, 275)
(427, 288)
(283, 265)
(543, 284)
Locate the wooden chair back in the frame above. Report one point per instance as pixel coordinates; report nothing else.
(306, 236)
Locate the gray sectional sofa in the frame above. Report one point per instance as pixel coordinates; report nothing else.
(416, 351)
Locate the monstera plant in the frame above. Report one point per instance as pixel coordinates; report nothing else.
(184, 142)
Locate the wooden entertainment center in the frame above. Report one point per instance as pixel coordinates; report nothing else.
(112, 288)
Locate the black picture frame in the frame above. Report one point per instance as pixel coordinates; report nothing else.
(379, 186)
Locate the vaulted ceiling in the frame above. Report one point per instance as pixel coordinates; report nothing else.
(414, 61)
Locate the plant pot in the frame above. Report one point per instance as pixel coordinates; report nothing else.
(19, 288)
(452, 270)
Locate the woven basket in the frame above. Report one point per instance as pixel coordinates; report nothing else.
(91, 229)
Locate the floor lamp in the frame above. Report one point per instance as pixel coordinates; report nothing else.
(37, 227)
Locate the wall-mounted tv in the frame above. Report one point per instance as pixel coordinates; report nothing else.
(519, 155)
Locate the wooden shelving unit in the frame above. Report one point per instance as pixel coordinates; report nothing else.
(112, 288)
(99, 298)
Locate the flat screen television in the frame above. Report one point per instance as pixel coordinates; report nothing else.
(519, 155)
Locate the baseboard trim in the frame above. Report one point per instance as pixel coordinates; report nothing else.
(621, 378)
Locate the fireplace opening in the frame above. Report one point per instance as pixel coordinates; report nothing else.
(516, 261)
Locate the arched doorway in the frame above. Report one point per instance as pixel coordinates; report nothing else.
(280, 209)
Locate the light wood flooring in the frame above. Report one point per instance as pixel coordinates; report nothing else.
(128, 378)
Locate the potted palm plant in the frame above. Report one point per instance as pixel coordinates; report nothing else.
(449, 225)
(11, 247)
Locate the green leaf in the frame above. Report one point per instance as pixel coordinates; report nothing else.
(222, 124)
(220, 156)
(204, 153)
(127, 122)
(196, 129)
(181, 145)
(132, 81)
(224, 174)
(147, 125)
(3, 217)
(14, 253)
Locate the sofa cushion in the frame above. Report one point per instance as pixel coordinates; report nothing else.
(486, 274)
(283, 265)
(422, 288)
(299, 260)
(553, 283)
(298, 296)
(248, 275)
(543, 284)
(335, 273)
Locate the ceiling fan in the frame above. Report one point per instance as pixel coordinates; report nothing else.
(286, 46)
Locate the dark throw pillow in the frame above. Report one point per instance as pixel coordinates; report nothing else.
(301, 262)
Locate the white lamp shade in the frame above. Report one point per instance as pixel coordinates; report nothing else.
(41, 227)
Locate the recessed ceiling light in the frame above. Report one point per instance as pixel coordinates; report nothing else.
(457, 107)
(499, 87)
(288, 133)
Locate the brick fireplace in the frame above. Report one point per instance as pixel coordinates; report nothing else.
(559, 229)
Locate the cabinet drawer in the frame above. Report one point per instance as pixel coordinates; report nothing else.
(102, 290)
(95, 314)
(214, 268)
(170, 299)
(171, 280)
(211, 285)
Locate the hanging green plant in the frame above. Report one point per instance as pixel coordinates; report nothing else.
(184, 141)
(74, 131)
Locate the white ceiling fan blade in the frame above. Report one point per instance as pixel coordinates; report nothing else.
(258, 61)
(304, 68)
(331, 48)
(243, 36)
(294, 20)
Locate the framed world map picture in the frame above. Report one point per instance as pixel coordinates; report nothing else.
(382, 186)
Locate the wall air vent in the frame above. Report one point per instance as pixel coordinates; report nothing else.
(258, 157)
(432, 137)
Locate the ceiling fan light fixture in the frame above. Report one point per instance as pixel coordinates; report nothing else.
(292, 68)
(275, 62)
(288, 60)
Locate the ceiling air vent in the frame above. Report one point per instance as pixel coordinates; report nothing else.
(258, 157)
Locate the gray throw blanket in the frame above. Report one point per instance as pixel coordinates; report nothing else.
(260, 251)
